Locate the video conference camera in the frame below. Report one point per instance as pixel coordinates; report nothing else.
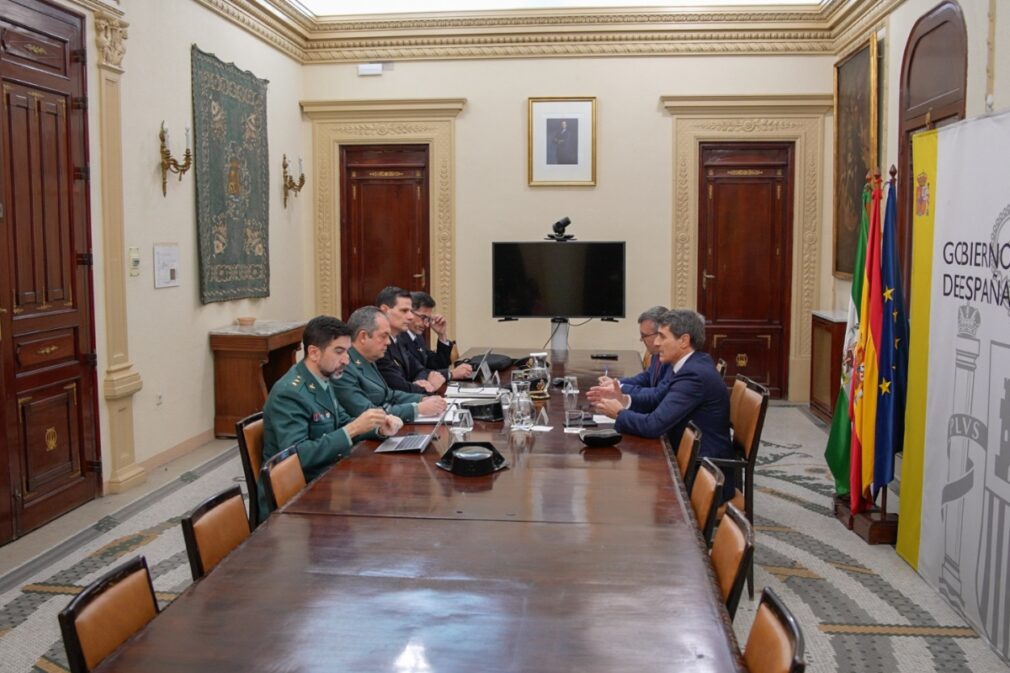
(559, 231)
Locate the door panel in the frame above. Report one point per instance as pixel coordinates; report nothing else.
(49, 460)
(744, 269)
(384, 223)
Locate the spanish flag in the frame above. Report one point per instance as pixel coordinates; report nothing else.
(865, 375)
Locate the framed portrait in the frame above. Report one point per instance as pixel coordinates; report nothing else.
(855, 147)
(562, 141)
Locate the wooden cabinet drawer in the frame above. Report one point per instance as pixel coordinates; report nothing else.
(37, 350)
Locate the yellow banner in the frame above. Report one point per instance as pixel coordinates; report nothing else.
(924, 146)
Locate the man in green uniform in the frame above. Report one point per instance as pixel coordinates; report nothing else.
(362, 386)
(302, 410)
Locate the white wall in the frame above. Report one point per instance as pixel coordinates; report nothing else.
(168, 328)
(634, 194)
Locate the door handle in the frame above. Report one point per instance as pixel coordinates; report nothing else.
(423, 276)
(705, 277)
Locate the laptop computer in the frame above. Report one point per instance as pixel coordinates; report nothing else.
(413, 441)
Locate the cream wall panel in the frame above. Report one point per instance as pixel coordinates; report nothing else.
(168, 328)
(633, 197)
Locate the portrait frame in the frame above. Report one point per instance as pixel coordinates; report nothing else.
(856, 125)
(561, 141)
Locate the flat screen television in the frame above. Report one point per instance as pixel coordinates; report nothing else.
(547, 279)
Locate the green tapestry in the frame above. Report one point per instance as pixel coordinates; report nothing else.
(232, 180)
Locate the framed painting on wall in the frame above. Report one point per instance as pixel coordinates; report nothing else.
(855, 147)
(561, 147)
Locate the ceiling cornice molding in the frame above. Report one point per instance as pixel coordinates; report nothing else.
(762, 30)
(862, 24)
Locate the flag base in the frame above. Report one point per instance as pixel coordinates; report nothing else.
(843, 512)
(876, 526)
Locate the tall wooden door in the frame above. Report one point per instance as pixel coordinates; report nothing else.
(384, 221)
(49, 461)
(744, 257)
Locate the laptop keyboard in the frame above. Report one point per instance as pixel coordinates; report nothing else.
(411, 442)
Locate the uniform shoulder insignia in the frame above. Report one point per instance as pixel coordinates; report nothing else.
(312, 386)
(297, 380)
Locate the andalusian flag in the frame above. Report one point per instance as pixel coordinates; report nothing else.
(839, 441)
(865, 378)
(893, 354)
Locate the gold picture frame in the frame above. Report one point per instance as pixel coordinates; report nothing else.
(855, 93)
(561, 142)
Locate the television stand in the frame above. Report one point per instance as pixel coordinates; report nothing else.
(559, 334)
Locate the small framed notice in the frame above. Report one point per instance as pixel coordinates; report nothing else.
(166, 265)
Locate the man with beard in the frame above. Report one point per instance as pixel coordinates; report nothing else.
(303, 411)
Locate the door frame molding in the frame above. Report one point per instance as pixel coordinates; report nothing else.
(799, 119)
(424, 121)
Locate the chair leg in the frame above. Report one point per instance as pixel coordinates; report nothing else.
(749, 506)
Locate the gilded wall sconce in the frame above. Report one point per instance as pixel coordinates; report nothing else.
(170, 164)
(289, 182)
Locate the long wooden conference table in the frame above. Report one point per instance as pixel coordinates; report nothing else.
(572, 559)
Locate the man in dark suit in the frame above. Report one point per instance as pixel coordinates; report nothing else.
(401, 370)
(302, 410)
(694, 392)
(412, 340)
(656, 371)
(362, 387)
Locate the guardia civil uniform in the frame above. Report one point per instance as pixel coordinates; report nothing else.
(362, 387)
(302, 411)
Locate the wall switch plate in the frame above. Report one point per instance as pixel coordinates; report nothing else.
(133, 262)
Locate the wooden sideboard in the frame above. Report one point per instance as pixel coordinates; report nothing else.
(247, 363)
(828, 338)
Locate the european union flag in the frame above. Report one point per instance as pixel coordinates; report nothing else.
(893, 369)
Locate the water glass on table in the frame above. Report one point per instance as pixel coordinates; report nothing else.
(505, 400)
(522, 413)
(573, 418)
(570, 390)
(463, 424)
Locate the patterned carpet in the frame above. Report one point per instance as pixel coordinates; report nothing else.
(862, 608)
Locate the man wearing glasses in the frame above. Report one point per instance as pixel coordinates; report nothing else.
(648, 328)
(412, 339)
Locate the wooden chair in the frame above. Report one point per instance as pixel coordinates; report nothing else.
(705, 496)
(213, 529)
(249, 432)
(732, 555)
(735, 394)
(107, 613)
(282, 477)
(751, 407)
(775, 643)
(720, 366)
(687, 454)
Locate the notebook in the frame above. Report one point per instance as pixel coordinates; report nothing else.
(413, 441)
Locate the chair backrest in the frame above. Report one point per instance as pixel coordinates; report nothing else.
(687, 454)
(249, 432)
(720, 366)
(732, 553)
(213, 529)
(282, 477)
(739, 385)
(705, 496)
(107, 613)
(749, 422)
(775, 643)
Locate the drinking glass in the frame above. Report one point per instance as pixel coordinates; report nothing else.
(505, 400)
(520, 387)
(522, 413)
(463, 423)
(571, 399)
(573, 418)
(571, 384)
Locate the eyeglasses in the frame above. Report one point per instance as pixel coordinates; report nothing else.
(643, 337)
(426, 319)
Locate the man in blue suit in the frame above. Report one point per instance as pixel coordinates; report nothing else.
(657, 371)
(362, 387)
(694, 392)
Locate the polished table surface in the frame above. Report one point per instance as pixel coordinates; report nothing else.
(572, 559)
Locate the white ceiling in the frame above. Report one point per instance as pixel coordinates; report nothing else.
(349, 7)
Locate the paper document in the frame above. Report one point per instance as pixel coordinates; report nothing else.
(450, 417)
(600, 419)
(454, 390)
